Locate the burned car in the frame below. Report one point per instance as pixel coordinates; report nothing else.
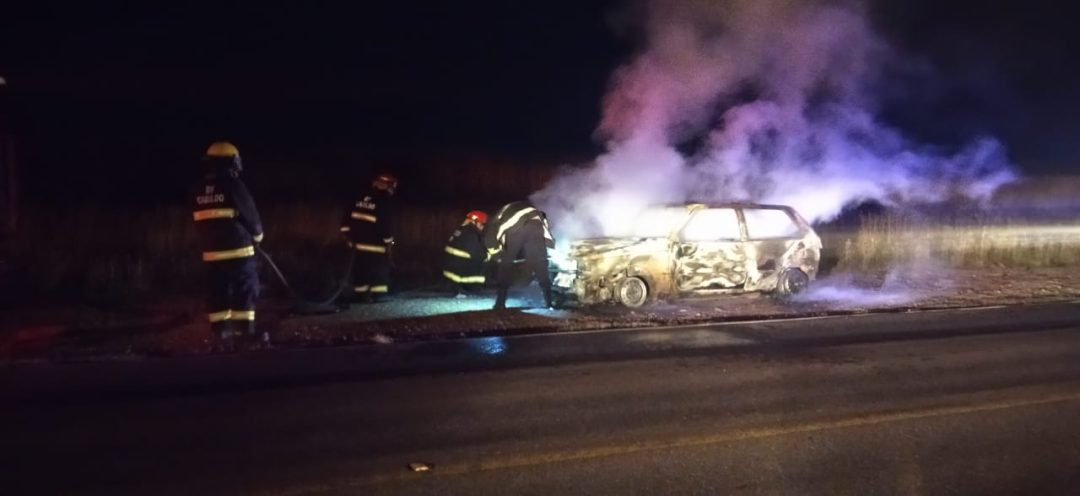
(692, 249)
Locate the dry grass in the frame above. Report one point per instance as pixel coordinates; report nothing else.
(117, 255)
(883, 241)
(103, 253)
(113, 255)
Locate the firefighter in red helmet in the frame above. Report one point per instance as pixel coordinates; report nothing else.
(228, 228)
(367, 227)
(464, 255)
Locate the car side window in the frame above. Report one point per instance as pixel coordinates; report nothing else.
(770, 223)
(658, 222)
(713, 224)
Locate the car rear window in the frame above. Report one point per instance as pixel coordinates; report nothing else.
(714, 224)
(770, 223)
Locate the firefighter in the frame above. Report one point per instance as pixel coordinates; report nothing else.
(463, 262)
(519, 228)
(228, 229)
(367, 229)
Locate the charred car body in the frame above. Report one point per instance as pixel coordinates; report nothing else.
(693, 249)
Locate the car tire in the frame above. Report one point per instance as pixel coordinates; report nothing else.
(632, 292)
(791, 282)
(558, 301)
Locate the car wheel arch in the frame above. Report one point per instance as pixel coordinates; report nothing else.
(654, 283)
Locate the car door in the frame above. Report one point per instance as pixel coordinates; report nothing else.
(774, 236)
(711, 252)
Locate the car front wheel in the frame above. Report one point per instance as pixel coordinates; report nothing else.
(632, 292)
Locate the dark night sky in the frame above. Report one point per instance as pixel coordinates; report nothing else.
(110, 89)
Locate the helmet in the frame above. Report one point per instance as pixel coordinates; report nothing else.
(222, 149)
(385, 181)
(477, 216)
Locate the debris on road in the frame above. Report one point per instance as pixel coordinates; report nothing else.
(420, 467)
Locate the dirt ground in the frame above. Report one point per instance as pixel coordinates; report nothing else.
(177, 328)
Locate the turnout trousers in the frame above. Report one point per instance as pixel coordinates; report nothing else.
(528, 239)
(232, 288)
(371, 274)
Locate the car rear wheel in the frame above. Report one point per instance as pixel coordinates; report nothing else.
(632, 292)
(791, 282)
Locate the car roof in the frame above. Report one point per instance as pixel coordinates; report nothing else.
(696, 205)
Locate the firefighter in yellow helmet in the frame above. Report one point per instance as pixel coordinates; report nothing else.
(367, 227)
(228, 227)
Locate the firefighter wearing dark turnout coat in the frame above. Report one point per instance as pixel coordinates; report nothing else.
(367, 229)
(519, 228)
(228, 227)
(463, 262)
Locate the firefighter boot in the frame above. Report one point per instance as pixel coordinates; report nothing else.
(345, 300)
(500, 300)
(255, 341)
(225, 341)
(251, 340)
(549, 303)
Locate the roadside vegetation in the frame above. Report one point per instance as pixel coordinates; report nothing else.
(105, 255)
(123, 253)
(92, 255)
(113, 255)
(883, 241)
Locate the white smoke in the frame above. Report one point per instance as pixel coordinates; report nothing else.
(907, 283)
(777, 100)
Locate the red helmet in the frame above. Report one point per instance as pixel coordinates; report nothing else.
(477, 216)
(385, 181)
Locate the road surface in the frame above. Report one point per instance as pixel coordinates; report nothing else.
(956, 402)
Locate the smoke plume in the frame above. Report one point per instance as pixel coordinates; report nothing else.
(758, 100)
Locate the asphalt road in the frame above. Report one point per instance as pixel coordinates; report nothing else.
(970, 402)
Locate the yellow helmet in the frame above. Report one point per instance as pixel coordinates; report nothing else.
(222, 149)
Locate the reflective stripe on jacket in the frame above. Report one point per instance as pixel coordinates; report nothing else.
(510, 217)
(214, 256)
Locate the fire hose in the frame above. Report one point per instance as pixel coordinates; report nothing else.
(304, 305)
